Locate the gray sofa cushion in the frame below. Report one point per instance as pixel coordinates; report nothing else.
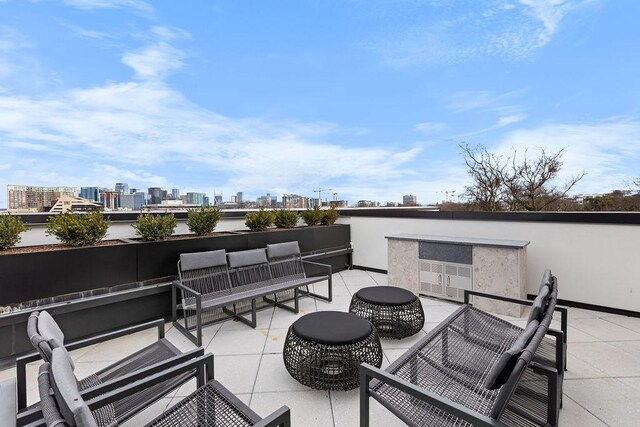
(45, 335)
(198, 260)
(281, 250)
(247, 258)
(501, 369)
(73, 408)
(539, 304)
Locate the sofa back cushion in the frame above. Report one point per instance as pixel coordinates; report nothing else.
(200, 260)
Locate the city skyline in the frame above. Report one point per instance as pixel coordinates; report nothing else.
(368, 99)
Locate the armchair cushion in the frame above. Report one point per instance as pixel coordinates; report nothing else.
(73, 408)
(501, 369)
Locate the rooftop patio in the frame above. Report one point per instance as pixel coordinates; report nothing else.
(601, 386)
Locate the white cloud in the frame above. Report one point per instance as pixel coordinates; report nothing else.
(549, 13)
(510, 119)
(12, 39)
(159, 58)
(483, 100)
(148, 127)
(154, 61)
(138, 5)
(607, 150)
(87, 33)
(470, 30)
(431, 127)
(500, 106)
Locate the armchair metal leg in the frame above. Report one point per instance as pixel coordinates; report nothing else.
(364, 398)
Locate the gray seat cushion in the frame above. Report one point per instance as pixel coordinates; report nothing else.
(72, 407)
(198, 260)
(281, 250)
(386, 295)
(247, 258)
(501, 369)
(332, 328)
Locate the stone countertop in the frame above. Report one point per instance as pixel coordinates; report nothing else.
(460, 240)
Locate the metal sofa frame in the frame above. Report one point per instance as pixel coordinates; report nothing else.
(215, 291)
(440, 379)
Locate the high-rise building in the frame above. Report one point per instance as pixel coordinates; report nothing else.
(294, 201)
(90, 193)
(139, 200)
(313, 202)
(206, 201)
(122, 187)
(239, 197)
(409, 200)
(155, 195)
(195, 198)
(127, 201)
(267, 201)
(175, 193)
(217, 200)
(37, 199)
(110, 199)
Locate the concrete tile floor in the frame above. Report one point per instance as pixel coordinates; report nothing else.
(602, 386)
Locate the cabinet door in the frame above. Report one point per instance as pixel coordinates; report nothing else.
(457, 279)
(431, 278)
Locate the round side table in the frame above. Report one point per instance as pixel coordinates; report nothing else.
(324, 350)
(395, 312)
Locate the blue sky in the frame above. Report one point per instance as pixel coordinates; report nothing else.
(368, 98)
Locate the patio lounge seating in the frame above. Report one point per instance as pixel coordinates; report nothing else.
(210, 405)
(46, 335)
(286, 264)
(209, 286)
(473, 369)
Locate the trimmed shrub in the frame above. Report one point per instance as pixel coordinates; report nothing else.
(285, 219)
(78, 229)
(312, 216)
(259, 220)
(203, 220)
(10, 229)
(154, 227)
(330, 216)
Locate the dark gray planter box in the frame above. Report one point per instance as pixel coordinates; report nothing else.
(43, 275)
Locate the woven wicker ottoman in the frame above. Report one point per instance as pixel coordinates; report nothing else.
(324, 350)
(395, 312)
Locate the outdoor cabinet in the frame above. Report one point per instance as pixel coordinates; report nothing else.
(446, 269)
(446, 266)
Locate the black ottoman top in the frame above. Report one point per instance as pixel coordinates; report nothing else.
(332, 328)
(386, 295)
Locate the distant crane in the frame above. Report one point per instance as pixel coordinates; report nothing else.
(319, 191)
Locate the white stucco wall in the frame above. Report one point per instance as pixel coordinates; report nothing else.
(595, 263)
